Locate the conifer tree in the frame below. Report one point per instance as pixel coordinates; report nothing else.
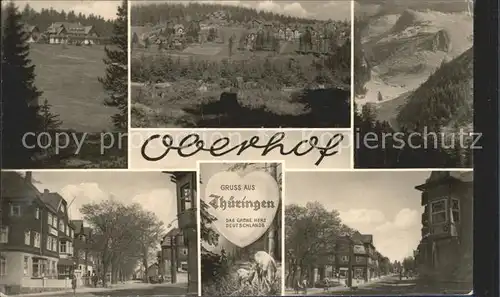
(49, 120)
(116, 80)
(19, 94)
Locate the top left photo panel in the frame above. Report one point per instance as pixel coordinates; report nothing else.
(64, 84)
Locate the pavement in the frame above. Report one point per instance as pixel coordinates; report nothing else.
(389, 285)
(126, 289)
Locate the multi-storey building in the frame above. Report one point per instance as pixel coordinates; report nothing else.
(61, 231)
(66, 32)
(34, 230)
(83, 248)
(445, 250)
(173, 239)
(186, 185)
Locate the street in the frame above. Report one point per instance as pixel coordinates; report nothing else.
(132, 290)
(390, 285)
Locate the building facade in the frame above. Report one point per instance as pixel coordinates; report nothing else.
(83, 255)
(186, 186)
(35, 234)
(66, 32)
(180, 253)
(445, 250)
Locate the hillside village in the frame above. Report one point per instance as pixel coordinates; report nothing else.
(255, 34)
(190, 55)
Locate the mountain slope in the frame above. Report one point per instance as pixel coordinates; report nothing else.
(444, 100)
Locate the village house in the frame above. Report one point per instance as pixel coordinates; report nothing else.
(174, 239)
(66, 32)
(33, 33)
(139, 34)
(445, 250)
(82, 249)
(34, 231)
(62, 229)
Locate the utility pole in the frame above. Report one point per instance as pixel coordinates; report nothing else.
(351, 255)
(173, 260)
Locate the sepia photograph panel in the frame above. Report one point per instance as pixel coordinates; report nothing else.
(241, 251)
(65, 84)
(82, 233)
(413, 72)
(241, 64)
(379, 233)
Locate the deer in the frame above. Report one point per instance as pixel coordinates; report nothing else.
(266, 268)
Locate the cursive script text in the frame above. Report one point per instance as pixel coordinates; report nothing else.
(192, 144)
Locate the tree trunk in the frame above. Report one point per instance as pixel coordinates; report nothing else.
(145, 264)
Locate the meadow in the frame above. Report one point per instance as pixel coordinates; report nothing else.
(270, 88)
(67, 75)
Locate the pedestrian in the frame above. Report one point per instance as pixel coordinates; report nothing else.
(73, 284)
(94, 279)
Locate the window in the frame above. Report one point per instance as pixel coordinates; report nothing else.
(68, 231)
(359, 273)
(185, 197)
(61, 225)
(54, 221)
(455, 210)
(27, 237)
(4, 234)
(39, 267)
(359, 259)
(438, 211)
(26, 267)
(49, 220)
(37, 213)
(3, 266)
(345, 258)
(36, 239)
(49, 243)
(54, 244)
(63, 247)
(15, 210)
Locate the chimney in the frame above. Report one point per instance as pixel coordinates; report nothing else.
(46, 191)
(27, 176)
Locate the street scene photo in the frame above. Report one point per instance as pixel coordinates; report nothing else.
(64, 84)
(379, 233)
(413, 73)
(80, 233)
(241, 225)
(241, 64)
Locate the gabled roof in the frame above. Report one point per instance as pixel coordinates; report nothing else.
(13, 185)
(78, 225)
(52, 200)
(59, 27)
(29, 28)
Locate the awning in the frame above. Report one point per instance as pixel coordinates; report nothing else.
(65, 262)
